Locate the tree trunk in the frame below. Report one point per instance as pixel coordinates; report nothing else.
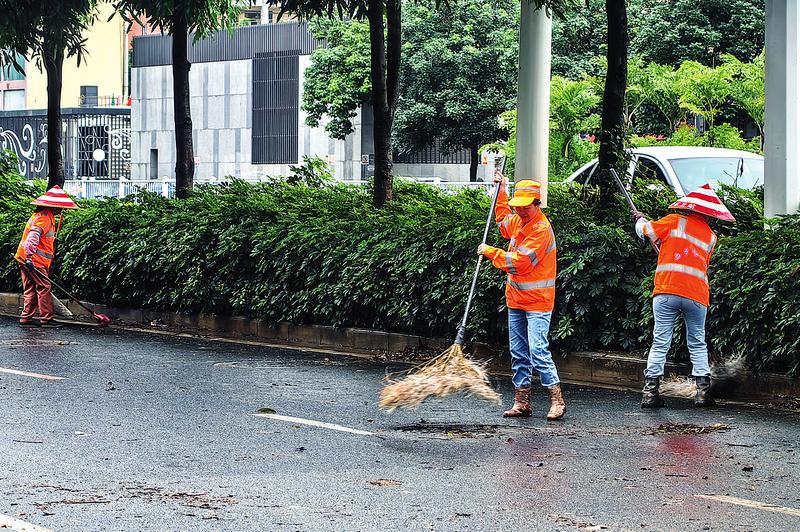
(385, 76)
(474, 159)
(53, 57)
(184, 149)
(612, 122)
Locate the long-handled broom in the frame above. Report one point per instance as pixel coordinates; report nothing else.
(102, 319)
(725, 375)
(451, 371)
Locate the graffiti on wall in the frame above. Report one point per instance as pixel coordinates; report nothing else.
(94, 146)
(29, 143)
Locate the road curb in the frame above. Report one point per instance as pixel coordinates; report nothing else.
(589, 368)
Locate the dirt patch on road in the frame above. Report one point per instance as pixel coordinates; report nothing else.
(200, 499)
(453, 430)
(688, 428)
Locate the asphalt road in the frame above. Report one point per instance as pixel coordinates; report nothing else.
(150, 432)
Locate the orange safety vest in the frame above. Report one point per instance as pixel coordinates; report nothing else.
(687, 243)
(42, 222)
(530, 260)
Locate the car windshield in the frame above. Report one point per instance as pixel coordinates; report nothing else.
(736, 171)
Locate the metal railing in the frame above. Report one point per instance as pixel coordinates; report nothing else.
(120, 188)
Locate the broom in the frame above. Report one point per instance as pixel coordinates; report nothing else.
(451, 371)
(725, 377)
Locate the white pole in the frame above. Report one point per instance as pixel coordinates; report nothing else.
(782, 116)
(533, 97)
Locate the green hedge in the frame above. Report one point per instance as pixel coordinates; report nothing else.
(291, 252)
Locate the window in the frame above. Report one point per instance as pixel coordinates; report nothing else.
(742, 172)
(13, 100)
(88, 95)
(10, 73)
(276, 87)
(649, 170)
(584, 177)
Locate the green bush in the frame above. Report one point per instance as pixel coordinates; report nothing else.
(280, 251)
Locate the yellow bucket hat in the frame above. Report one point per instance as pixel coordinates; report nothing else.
(525, 192)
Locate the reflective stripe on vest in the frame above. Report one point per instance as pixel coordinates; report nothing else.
(510, 262)
(44, 254)
(680, 232)
(552, 246)
(672, 267)
(530, 254)
(550, 283)
(648, 230)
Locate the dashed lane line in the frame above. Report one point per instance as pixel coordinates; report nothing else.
(752, 504)
(10, 523)
(29, 374)
(312, 423)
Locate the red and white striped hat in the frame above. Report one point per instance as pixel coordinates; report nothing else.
(704, 201)
(56, 198)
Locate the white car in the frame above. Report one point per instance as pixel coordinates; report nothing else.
(687, 168)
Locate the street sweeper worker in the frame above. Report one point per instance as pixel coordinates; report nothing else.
(530, 263)
(35, 254)
(681, 287)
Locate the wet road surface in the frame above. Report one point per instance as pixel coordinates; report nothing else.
(150, 432)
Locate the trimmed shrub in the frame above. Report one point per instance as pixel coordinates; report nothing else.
(298, 253)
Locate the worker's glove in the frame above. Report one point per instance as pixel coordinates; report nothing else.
(637, 215)
(29, 265)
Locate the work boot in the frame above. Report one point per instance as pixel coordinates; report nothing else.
(522, 403)
(27, 323)
(703, 397)
(50, 324)
(557, 405)
(650, 396)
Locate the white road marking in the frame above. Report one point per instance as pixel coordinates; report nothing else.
(28, 374)
(313, 423)
(20, 526)
(752, 504)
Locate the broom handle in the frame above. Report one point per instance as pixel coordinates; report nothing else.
(631, 206)
(462, 329)
(41, 275)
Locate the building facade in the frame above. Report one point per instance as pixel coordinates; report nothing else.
(246, 94)
(101, 78)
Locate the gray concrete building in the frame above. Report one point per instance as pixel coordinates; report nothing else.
(246, 96)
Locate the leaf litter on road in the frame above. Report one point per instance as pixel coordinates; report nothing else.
(688, 428)
(386, 482)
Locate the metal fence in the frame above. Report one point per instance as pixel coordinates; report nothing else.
(90, 188)
(96, 143)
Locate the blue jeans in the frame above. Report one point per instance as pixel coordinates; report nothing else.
(527, 338)
(665, 311)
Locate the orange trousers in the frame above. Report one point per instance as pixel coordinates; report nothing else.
(36, 296)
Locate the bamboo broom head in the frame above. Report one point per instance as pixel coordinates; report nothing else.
(446, 374)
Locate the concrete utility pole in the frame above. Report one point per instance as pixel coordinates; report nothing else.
(782, 116)
(533, 96)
